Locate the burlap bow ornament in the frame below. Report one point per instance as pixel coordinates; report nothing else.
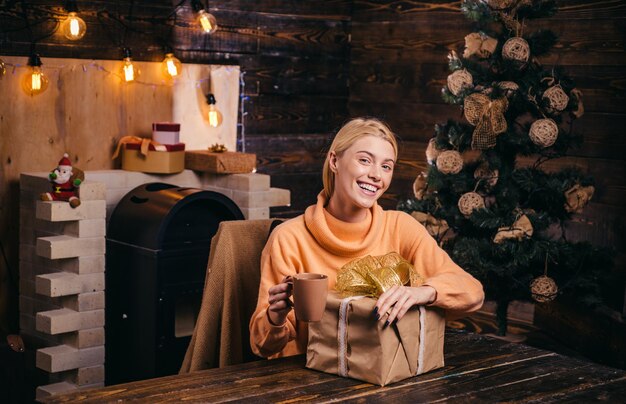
(372, 276)
(577, 197)
(435, 227)
(521, 228)
(480, 45)
(487, 116)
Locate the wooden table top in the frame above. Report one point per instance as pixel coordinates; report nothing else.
(478, 368)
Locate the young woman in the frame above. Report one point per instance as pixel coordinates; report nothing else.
(346, 223)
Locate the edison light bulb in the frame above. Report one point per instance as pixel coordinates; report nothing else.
(130, 72)
(171, 66)
(34, 81)
(214, 116)
(207, 22)
(73, 27)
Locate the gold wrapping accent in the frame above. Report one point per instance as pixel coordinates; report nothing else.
(487, 116)
(372, 276)
(218, 148)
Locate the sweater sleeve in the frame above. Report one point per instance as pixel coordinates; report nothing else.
(458, 292)
(266, 339)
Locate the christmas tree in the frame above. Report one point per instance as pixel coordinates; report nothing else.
(488, 196)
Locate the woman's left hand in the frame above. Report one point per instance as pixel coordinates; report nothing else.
(399, 299)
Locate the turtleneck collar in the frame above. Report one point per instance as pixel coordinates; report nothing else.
(339, 237)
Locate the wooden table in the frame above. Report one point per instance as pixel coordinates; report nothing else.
(478, 368)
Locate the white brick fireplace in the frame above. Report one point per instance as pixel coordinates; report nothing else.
(62, 263)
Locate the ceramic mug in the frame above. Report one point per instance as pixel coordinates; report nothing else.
(309, 296)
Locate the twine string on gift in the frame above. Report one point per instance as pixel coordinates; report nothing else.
(342, 335)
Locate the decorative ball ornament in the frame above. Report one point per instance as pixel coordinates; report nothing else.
(469, 202)
(516, 49)
(459, 80)
(543, 289)
(556, 98)
(543, 132)
(450, 162)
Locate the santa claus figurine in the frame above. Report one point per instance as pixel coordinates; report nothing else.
(65, 183)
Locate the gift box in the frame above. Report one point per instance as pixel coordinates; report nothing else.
(349, 342)
(166, 132)
(220, 163)
(157, 159)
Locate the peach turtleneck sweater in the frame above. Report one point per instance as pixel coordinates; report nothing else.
(318, 242)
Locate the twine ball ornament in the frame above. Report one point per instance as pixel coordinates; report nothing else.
(543, 132)
(556, 98)
(543, 289)
(459, 80)
(450, 162)
(516, 49)
(469, 202)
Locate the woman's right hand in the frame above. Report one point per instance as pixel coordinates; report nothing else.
(280, 305)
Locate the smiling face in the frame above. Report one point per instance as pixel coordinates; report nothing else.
(362, 173)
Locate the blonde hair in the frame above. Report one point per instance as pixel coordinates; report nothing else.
(349, 133)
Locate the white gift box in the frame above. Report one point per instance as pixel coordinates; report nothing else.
(166, 132)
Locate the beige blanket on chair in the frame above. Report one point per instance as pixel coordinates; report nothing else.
(221, 336)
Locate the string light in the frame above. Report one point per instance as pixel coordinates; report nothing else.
(74, 28)
(129, 71)
(207, 21)
(215, 116)
(171, 66)
(34, 81)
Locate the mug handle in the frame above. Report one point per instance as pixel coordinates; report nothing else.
(289, 279)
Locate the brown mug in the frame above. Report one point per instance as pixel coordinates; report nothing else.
(309, 296)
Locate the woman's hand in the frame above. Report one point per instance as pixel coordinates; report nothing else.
(399, 299)
(280, 305)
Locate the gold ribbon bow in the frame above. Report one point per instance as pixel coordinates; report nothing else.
(372, 276)
(145, 145)
(487, 116)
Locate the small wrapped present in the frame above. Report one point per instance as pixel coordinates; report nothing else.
(350, 342)
(166, 132)
(148, 156)
(224, 162)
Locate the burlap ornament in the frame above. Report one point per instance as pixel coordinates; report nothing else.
(543, 289)
(556, 98)
(480, 45)
(432, 152)
(520, 229)
(459, 80)
(516, 49)
(543, 132)
(487, 175)
(577, 197)
(435, 227)
(487, 116)
(509, 87)
(419, 185)
(469, 202)
(450, 162)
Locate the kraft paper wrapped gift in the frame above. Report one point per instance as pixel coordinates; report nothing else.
(350, 342)
(159, 159)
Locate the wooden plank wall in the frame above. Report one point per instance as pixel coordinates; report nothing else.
(295, 55)
(398, 66)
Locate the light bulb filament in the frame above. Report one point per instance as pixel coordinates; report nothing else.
(129, 72)
(206, 23)
(74, 27)
(171, 68)
(35, 82)
(213, 118)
